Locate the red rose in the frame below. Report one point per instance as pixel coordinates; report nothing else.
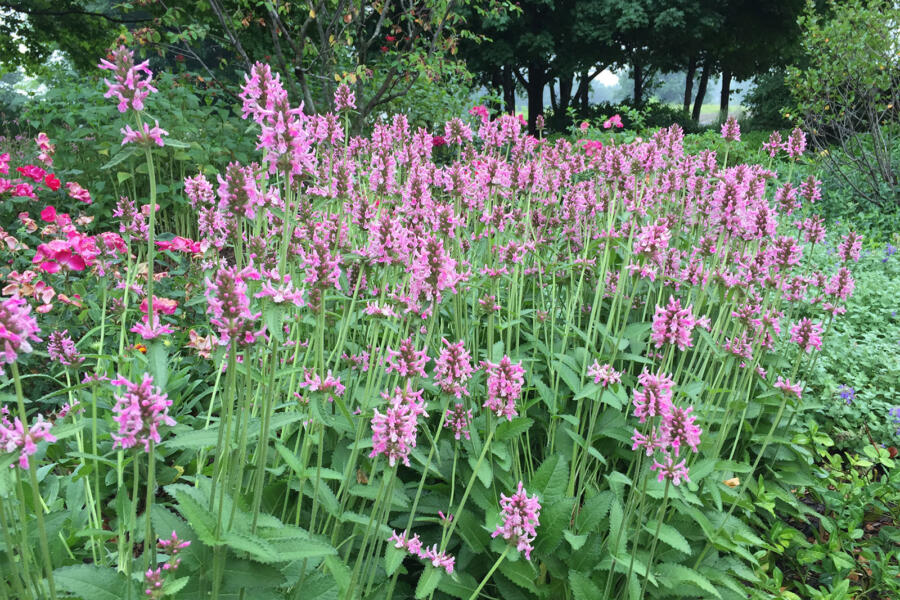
(52, 182)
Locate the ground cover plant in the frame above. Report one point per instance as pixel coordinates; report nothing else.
(462, 363)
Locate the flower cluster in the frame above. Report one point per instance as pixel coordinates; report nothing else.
(132, 81)
(140, 411)
(504, 386)
(14, 437)
(453, 368)
(520, 519)
(18, 328)
(394, 432)
(673, 325)
(415, 547)
(154, 579)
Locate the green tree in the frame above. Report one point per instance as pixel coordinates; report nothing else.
(848, 96)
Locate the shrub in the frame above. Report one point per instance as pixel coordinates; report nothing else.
(849, 95)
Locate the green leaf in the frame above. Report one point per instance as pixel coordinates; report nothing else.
(428, 580)
(158, 361)
(669, 536)
(258, 548)
(582, 587)
(122, 176)
(550, 479)
(593, 511)
(392, 558)
(521, 572)
(92, 582)
(201, 520)
(676, 574)
(576, 541)
(511, 429)
(173, 143)
(119, 157)
(568, 376)
(173, 586)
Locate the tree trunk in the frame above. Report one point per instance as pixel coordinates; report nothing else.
(565, 92)
(725, 95)
(638, 75)
(554, 101)
(689, 83)
(701, 91)
(583, 92)
(509, 90)
(535, 95)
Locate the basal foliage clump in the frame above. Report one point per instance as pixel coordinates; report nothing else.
(431, 364)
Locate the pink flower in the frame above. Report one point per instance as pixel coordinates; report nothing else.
(48, 215)
(453, 368)
(407, 361)
(796, 143)
(731, 131)
(13, 437)
(655, 399)
(331, 386)
(480, 111)
(668, 469)
(807, 335)
(520, 515)
(613, 121)
(147, 136)
(504, 386)
(33, 172)
(52, 182)
(673, 325)
(139, 412)
(850, 247)
(394, 432)
(79, 193)
(677, 429)
(438, 140)
(788, 388)
(62, 349)
(605, 375)
(130, 88)
(344, 99)
(229, 305)
(17, 330)
(458, 419)
(774, 145)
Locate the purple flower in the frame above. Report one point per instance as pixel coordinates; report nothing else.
(731, 131)
(677, 429)
(17, 330)
(150, 135)
(655, 399)
(62, 349)
(669, 469)
(520, 519)
(452, 369)
(789, 389)
(13, 437)
(130, 88)
(344, 99)
(407, 361)
(847, 393)
(850, 246)
(458, 419)
(394, 432)
(796, 143)
(504, 386)
(139, 412)
(673, 325)
(807, 335)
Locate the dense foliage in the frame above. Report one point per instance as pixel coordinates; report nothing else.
(445, 363)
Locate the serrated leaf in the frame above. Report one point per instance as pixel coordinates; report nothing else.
(92, 582)
(669, 536)
(201, 520)
(508, 430)
(582, 587)
(593, 511)
(575, 540)
(428, 580)
(393, 557)
(550, 479)
(173, 143)
(676, 573)
(173, 586)
(521, 572)
(568, 376)
(119, 157)
(259, 549)
(301, 548)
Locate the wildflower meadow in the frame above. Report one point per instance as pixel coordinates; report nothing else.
(465, 362)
